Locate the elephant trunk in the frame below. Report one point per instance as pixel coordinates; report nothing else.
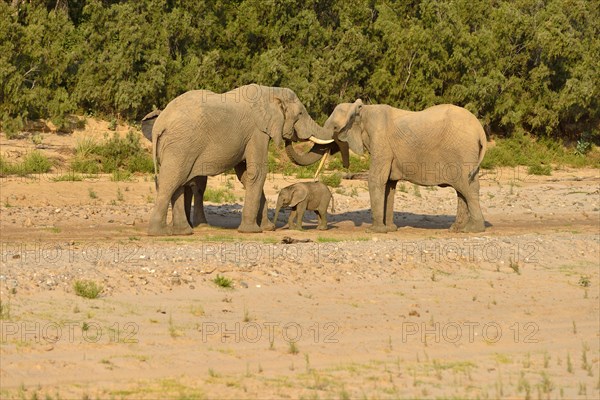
(312, 156)
(307, 128)
(317, 151)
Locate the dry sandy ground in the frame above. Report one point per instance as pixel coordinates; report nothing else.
(419, 313)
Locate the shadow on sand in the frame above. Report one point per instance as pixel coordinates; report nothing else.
(229, 216)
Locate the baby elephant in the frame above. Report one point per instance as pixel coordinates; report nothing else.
(305, 196)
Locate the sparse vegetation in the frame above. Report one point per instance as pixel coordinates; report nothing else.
(584, 281)
(539, 169)
(514, 266)
(223, 282)
(293, 348)
(219, 195)
(70, 177)
(117, 155)
(538, 155)
(33, 163)
(416, 190)
(332, 180)
(87, 289)
(4, 309)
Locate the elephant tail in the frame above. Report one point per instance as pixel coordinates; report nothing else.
(155, 137)
(482, 150)
(147, 129)
(332, 205)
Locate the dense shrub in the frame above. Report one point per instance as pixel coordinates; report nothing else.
(520, 66)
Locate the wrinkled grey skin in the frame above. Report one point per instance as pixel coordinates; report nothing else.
(201, 133)
(441, 145)
(304, 196)
(193, 190)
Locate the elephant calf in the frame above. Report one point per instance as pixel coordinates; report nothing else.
(304, 196)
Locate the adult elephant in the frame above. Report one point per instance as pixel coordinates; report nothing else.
(442, 145)
(201, 133)
(193, 191)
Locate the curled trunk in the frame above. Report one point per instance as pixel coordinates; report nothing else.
(317, 151)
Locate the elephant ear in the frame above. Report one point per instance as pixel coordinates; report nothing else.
(352, 131)
(269, 117)
(148, 123)
(299, 194)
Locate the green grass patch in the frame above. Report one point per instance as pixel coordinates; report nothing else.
(219, 195)
(322, 239)
(539, 169)
(332, 180)
(87, 289)
(33, 163)
(223, 282)
(70, 177)
(538, 154)
(112, 154)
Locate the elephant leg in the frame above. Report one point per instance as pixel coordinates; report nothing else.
(253, 179)
(322, 214)
(263, 215)
(168, 183)
(390, 191)
(300, 210)
(378, 177)
(476, 222)
(188, 194)
(200, 187)
(292, 219)
(462, 213)
(180, 222)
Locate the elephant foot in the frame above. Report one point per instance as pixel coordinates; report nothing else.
(159, 230)
(474, 226)
(182, 230)
(269, 226)
(200, 225)
(322, 227)
(456, 227)
(391, 228)
(377, 229)
(296, 227)
(249, 228)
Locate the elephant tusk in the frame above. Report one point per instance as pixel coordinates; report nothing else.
(319, 141)
(321, 164)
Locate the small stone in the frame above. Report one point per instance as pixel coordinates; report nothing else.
(244, 284)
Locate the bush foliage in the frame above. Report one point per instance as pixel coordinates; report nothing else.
(116, 154)
(520, 66)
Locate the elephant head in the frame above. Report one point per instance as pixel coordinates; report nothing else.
(284, 117)
(281, 115)
(289, 197)
(346, 124)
